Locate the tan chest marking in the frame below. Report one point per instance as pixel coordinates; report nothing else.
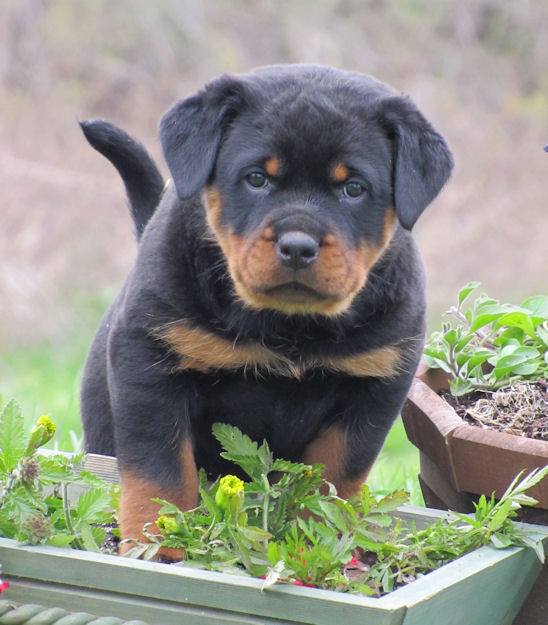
(200, 350)
(382, 362)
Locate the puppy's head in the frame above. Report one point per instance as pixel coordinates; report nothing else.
(305, 173)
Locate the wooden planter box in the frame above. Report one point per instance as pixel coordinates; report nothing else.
(459, 462)
(486, 587)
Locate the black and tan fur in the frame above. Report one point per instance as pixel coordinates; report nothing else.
(292, 310)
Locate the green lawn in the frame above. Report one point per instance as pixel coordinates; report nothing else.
(45, 379)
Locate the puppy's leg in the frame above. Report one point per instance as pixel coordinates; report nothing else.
(138, 490)
(330, 448)
(151, 409)
(95, 399)
(349, 446)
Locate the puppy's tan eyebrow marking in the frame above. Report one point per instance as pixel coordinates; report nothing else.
(272, 166)
(339, 172)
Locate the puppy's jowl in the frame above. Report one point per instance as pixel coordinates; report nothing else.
(277, 286)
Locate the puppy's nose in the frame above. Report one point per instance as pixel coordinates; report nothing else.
(297, 249)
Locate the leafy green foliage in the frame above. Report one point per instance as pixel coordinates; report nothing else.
(12, 436)
(490, 345)
(35, 506)
(286, 524)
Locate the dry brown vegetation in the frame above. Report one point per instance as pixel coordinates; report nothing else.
(477, 68)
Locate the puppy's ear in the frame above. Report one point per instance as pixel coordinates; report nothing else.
(191, 132)
(422, 159)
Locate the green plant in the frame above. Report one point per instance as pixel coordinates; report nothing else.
(295, 529)
(489, 345)
(285, 524)
(35, 502)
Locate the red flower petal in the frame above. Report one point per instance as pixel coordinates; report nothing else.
(4, 586)
(297, 582)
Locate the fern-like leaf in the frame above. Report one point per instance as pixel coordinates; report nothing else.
(13, 439)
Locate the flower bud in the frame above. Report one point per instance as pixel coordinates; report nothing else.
(41, 433)
(29, 470)
(167, 525)
(230, 494)
(37, 527)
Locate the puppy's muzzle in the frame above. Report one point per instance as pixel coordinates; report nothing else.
(297, 250)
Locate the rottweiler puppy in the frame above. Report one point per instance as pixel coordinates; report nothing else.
(277, 286)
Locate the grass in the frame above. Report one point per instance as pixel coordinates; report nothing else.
(45, 379)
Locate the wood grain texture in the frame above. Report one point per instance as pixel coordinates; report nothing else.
(159, 593)
(486, 587)
(201, 593)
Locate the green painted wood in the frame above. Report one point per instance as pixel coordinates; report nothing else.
(493, 595)
(31, 614)
(126, 607)
(465, 591)
(189, 586)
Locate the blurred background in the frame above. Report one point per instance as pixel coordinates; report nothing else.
(478, 69)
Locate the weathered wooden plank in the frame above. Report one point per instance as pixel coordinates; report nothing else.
(486, 587)
(487, 575)
(190, 587)
(185, 595)
(105, 467)
(129, 607)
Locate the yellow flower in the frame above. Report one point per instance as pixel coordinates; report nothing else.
(230, 492)
(42, 432)
(167, 525)
(231, 485)
(47, 422)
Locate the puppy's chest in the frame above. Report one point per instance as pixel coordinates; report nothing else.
(199, 350)
(286, 412)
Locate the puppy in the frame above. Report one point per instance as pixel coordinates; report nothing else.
(277, 286)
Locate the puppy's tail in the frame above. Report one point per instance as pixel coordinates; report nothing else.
(144, 183)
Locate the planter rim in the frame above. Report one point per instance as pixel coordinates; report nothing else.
(404, 597)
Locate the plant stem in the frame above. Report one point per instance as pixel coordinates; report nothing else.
(483, 336)
(68, 520)
(10, 485)
(266, 505)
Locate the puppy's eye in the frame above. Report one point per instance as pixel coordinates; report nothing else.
(256, 179)
(353, 189)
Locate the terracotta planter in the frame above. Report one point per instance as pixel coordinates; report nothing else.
(459, 462)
